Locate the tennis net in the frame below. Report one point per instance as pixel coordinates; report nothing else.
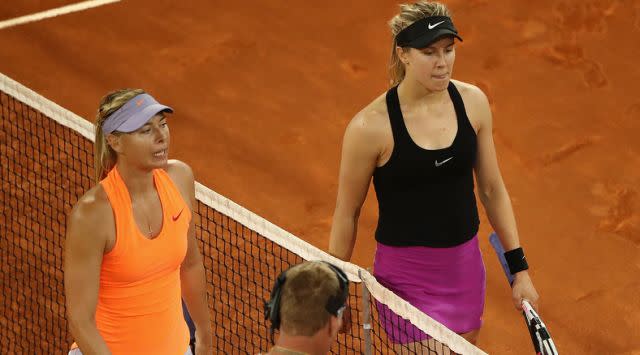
(46, 164)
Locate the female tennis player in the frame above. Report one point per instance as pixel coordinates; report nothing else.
(421, 142)
(130, 250)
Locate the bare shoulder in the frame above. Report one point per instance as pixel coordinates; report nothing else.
(476, 104)
(92, 215)
(470, 93)
(182, 176)
(180, 171)
(372, 122)
(92, 205)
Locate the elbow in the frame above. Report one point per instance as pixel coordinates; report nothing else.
(492, 192)
(487, 193)
(484, 196)
(356, 215)
(191, 263)
(346, 213)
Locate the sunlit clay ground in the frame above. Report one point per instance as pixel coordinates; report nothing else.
(263, 91)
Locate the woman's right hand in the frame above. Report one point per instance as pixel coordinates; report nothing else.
(523, 289)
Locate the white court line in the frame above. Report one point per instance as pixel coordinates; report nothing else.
(54, 12)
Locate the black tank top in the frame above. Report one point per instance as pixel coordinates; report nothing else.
(425, 197)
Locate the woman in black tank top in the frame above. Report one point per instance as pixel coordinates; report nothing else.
(421, 143)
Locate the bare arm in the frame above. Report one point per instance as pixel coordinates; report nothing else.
(84, 248)
(491, 189)
(360, 153)
(192, 275)
(494, 196)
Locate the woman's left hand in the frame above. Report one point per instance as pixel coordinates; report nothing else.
(522, 288)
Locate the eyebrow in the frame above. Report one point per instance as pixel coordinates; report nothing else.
(162, 117)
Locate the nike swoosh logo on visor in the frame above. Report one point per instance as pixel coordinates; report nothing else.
(434, 26)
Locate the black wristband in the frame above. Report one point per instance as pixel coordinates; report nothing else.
(516, 260)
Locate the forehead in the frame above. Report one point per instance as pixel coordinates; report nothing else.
(442, 43)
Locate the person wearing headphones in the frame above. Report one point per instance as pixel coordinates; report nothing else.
(306, 306)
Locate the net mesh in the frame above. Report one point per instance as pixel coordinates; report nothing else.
(46, 164)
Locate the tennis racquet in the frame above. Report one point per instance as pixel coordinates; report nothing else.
(542, 342)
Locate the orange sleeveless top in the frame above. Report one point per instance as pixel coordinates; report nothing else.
(139, 307)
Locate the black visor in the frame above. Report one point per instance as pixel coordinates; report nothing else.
(425, 31)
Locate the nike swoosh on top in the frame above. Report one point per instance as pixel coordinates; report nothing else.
(434, 26)
(442, 162)
(175, 218)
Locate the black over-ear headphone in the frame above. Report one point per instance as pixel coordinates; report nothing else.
(334, 303)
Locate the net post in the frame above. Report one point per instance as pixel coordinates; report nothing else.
(366, 310)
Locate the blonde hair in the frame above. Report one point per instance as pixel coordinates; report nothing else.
(304, 297)
(105, 157)
(410, 13)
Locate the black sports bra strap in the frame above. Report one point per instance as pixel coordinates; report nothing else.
(400, 134)
(458, 104)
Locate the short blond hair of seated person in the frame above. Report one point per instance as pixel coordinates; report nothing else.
(306, 305)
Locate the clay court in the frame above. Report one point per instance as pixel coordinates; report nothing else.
(263, 90)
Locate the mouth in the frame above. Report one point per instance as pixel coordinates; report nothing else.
(440, 77)
(160, 154)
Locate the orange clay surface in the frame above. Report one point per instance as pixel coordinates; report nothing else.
(264, 89)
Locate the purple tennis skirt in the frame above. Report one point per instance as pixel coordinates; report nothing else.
(448, 284)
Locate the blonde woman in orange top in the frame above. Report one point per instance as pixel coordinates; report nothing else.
(130, 250)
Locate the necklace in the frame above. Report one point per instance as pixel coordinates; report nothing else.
(147, 220)
(282, 350)
(150, 230)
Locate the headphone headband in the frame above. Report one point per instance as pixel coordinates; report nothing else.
(333, 305)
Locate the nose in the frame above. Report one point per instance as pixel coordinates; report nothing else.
(161, 133)
(441, 60)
